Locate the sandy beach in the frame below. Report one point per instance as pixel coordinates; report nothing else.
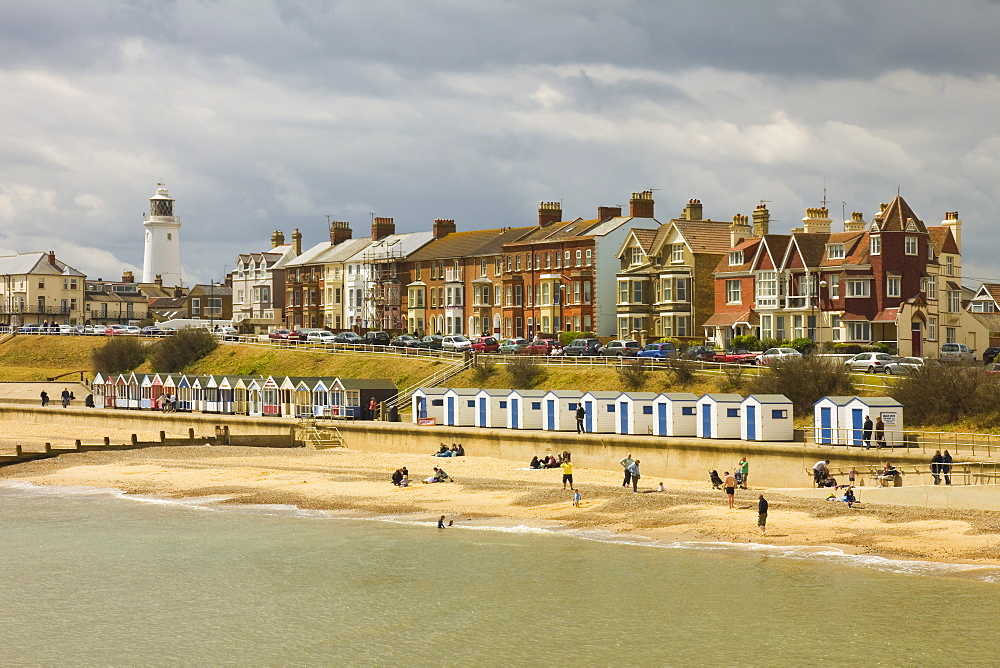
(489, 489)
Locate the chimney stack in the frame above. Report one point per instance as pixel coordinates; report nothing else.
(608, 212)
(382, 227)
(856, 223)
(954, 223)
(739, 230)
(296, 242)
(339, 232)
(817, 221)
(52, 258)
(158, 281)
(548, 213)
(641, 204)
(761, 219)
(443, 227)
(277, 239)
(128, 277)
(693, 210)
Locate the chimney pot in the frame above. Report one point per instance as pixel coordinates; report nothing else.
(608, 212)
(382, 227)
(641, 204)
(340, 231)
(296, 242)
(548, 213)
(761, 220)
(693, 210)
(277, 239)
(443, 227)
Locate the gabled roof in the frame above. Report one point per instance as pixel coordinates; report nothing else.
(811, 247)
(469, 244)
(775, 246)
(34, 263)
(704, 236)
(896, 217)
(644, 237)
(749, 249)
(326, 253)
(942, 240)
(392, 247)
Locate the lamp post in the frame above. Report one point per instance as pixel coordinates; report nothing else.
(820, 285)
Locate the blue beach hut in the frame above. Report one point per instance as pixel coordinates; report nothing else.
(601, 411)
(524, 409)
(766, 417)
(636, 412)
(491, 408)
(675, 414)
(719, 416)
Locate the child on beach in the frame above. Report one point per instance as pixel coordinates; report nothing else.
(576, 498)
(661, 488)
(851, 475)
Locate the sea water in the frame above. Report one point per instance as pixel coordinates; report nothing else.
(92, 577)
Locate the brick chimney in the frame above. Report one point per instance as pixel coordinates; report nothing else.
(158, 281)
(296, 242)
(382, 227)
(339, 232)
(817, 220)
(548, 213)
(128, 277)
(954, 223)
(739, 230)
(641, 204)
(693, 210)
(277, 239)
(443, 227)
(856, 223)
(607, 212)
(761, 219)
(52, 258)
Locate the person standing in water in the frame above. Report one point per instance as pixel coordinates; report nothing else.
(730, 484)
(762, 514)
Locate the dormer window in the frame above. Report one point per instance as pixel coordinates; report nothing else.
(678, 253)
(637, 256)
(735, 258)
(835, 251)
(876, 245)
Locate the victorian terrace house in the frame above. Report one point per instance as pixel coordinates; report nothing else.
(259, 285)
(122, 302)
(666, 286)
(36, 288)
(313, 280)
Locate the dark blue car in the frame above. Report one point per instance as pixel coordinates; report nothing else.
(658, 351)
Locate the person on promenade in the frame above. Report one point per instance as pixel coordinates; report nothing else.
(866, 433)
(946, 467)
(567, 469)
(633, 472)
(936, 466)
(44, 396)
(65, 397)
(761, 513)
(581, 413)
(744, 472)
(820, 471)
(626, 462)
(730, 484)
(372, 409)
(879, 432)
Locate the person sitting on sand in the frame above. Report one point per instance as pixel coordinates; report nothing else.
(459, 450)
(405, 482)
(849, 497)
(553, 463)
(439, 476)
(397, 478)
(442, 449)
(661, 488)
(535, 464)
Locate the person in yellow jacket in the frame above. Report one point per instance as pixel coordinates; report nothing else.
(567, 469)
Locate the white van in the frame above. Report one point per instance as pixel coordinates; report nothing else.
(957, 352)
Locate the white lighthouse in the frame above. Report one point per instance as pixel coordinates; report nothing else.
(162, 256)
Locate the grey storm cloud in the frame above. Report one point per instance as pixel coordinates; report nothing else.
(274, 115)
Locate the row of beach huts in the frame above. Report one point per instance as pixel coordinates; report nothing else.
(757, 417)
(257, 396)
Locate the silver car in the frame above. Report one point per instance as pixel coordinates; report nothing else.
(957, 352)
(869, 362)
(772, 354)
(456, 343)
(905, 365)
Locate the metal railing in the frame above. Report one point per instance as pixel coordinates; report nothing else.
(344, 348)
(403, 397)
(907, 440)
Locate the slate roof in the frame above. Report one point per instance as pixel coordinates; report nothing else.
(942, 239)
(468, 244)
(897, 216)
(704, 236)
(34, 263)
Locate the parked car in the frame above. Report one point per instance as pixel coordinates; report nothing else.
(114, 329)
(485, 344)
(29, 329)
(405, 341)
(512, 346)
(737, 356)
(990, 354)
(377, 339)
(621, 348)
(660, 351)
(772, 354)
(957, 352)
(227, 333)
(431, 342)
(869, 362)
(455, 343)
(540, 347)
(322, 338)
(905, 365)
(703, 353)
(96, 330)
(131, 330)
(993, 368)
(279, 334)
(150, 330)
(351, 338)
(582, 347)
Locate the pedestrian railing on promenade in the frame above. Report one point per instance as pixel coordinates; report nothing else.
(908, 440)
(352, 349)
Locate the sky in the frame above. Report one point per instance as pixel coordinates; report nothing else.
(262, 116)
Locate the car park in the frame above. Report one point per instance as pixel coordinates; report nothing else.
(540, 347)
(455, 343)
(405, 341)
(660, 351)
(702, 353)
(582, 347)
(957, 352)
(485, 344)
(350, 338)
(775, 354)
(990, 355)
(512, 346)
(321, 337)
(869, 362)
(621, 348)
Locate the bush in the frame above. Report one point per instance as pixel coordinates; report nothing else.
(735, 377)
(944, 393)
(632, 374)
(804, 381)
(769, 343)
(524, 373)
(485, 368)
(566, 338)
(118, 355)
(681, 370)
(175, 352)
(804, 345)
(679, 346)
(749, 342)
(847, 348)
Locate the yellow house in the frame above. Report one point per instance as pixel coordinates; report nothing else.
(36, 288)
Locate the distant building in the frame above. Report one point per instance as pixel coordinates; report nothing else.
(115, 302)
(162, 255)
(37, 288)
(258, 284)
(210, 302)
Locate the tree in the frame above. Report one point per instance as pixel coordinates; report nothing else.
(118, 355)
(186, 346)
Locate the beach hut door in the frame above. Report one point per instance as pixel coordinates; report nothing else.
(451, 411)
(706, 420)
(623, 416)
(588, 423)
(482, 412)
(751, 422)
(551, 404)
(514, 417)
(422, 407)
(858, 423)
(824, 424)
(661, 417)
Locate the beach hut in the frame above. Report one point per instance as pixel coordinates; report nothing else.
(170, 386)
(210, 394)
(270, 397)
(133, 391)
(360, 391)
(636, 412)
(766, 417)
(302, 398)
(890, 410)
(321, 397)
(155, 390)
(198, 394)
(226, 399)
(145, 387)
(829, 426)
(491, 408)
(97, 387)
(286, 394)
(675, 414)
(185, 394)
(240, 396)
(110, 391)
(559, 410)
(524, 409)
(600, 412)
(428, 405)
(719, 416)
(255, 397)
(460, 407)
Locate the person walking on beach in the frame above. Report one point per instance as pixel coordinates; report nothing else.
(946, 467)
(633, 471)
(730, 484)
(936, 466)
(44, 396)
(441, 522)
(581, 413)
(744, 472)
(626, 462)
(576, 498)
(866, 433)
(851, 475)
(762, 513)
(65, 397)
(567, 469)
(879, 432)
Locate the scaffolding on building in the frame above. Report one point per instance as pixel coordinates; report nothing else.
(381, 309)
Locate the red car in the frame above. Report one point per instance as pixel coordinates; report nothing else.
(284, 335)
(540, 347)
(738, 356)
(485, 344)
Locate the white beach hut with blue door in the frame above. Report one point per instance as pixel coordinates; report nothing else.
(719, 416)
(491, 408)
(601, 411)
(460, 407)
(559, 410)
(428, 402)
(524, 409)
(675, 414)
(831, 422)
(636, 413)
(890, 410)
(766, 417)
